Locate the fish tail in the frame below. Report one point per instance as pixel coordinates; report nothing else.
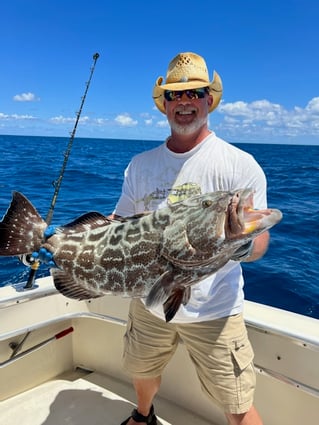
(22, 227)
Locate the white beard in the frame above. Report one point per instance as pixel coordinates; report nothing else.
(186, 129)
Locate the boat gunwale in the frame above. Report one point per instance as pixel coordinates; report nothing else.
(117, 321)
(62, 318)
(253, 318)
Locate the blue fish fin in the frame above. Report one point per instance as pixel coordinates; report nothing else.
(178, 296)
(69, 288)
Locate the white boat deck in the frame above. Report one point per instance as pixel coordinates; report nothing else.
(79, 379)
(85, 399)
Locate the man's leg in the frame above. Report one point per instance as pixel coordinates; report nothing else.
(146, 390)
(249, 418)
(149, 344)
(223, 357)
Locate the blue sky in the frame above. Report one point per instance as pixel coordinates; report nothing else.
(266, 53)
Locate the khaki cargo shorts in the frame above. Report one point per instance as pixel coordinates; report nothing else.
(219, 349)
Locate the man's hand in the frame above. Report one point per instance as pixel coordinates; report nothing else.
(44, 256)
(49, 231)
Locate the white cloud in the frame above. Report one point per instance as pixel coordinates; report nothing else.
(147, 118)
(16, 117)
(313, 106)
(66, 120)
(260, 120)
(257, 110)
(125, 120)
(162, 124)
(263, 117)
(26, 97)
(100, 121)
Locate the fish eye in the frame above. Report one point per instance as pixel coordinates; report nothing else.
(207, 203)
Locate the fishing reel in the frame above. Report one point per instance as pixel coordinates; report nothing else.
(27, 259)
(33, 260)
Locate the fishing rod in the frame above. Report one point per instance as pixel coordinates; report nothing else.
(14, 356)
(57, 184)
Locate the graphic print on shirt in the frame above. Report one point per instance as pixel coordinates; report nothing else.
(171, 195)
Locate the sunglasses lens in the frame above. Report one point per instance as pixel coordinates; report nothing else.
(171, 95)
(196, 93)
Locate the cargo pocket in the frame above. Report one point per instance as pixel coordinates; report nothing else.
(245, 377)
(242, 355)
(126, 337)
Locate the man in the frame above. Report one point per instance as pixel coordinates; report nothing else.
(193, 160)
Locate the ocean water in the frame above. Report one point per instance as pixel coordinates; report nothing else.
(286, 277)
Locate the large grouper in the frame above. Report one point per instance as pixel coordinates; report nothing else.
(155, 255)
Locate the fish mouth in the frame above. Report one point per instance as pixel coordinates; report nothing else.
(242, 219)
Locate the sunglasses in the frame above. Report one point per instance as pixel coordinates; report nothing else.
(200, 93)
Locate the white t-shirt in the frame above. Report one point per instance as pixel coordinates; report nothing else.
(159, 174)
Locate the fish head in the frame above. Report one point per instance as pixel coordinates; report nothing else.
(215, 224)
(230, 216)
(243, 221)
(196, 228)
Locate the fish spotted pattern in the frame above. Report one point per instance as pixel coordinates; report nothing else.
(156, 255)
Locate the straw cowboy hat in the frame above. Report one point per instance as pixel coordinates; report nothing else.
(187, 71)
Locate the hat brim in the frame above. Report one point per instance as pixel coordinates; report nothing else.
(215, 89)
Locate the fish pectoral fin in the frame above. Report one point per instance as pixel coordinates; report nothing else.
(187, 295)
(178, 296)
(160, 290)
(169, 291)
(69, 288)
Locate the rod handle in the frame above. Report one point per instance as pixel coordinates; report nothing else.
(63, 333)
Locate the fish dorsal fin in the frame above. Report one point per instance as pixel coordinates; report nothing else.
(69, 288)
(133, 217)
(138, 215)
(88, 221)
(93, 220)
